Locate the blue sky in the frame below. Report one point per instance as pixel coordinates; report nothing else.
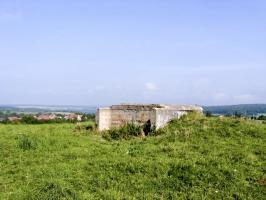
(86, 52)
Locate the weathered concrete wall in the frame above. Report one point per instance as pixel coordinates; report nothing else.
(164, 116)
(138, 114)
(120, 117)
(159, 115)
(103, 118)
(169, 112)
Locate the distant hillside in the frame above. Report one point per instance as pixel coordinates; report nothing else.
(245, 109)
(42, 108)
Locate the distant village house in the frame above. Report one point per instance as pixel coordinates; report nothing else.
(13, 119)
(73, 116)
(46, 117)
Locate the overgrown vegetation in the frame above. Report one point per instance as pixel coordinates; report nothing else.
(194, 157)
(127, 131)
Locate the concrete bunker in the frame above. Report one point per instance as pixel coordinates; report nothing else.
(148, 115)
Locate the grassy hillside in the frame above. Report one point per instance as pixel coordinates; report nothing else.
(192, 158)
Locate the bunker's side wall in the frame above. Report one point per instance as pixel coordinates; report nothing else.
(163, 116)
(103, 118)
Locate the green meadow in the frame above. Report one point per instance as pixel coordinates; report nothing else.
(192, 158)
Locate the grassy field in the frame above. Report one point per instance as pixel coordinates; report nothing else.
(192, 158)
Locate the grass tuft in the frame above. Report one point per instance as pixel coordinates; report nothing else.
(26, 143)
(52, 191)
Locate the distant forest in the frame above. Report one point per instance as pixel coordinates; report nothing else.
(244, 109)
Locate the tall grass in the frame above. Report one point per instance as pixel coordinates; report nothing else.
(26, 143)
(126, 131)
(191, 158)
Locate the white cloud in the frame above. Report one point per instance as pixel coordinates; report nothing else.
(151, 86)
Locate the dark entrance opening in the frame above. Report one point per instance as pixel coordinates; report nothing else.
(147, 127)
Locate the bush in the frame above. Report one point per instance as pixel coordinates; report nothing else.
(87, 117)
(89, 127)
(208, 114)
(126, 131)
(29, 119)
(238, 114)
(85, 127)
(262, 117)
